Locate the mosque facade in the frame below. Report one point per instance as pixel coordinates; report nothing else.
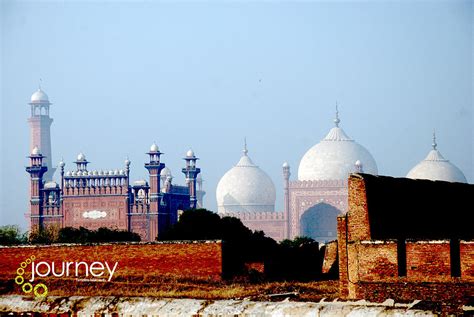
(104, 198)
(319, 194)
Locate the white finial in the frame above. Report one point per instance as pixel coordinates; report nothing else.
(434, 144)
(245, 146)
(336, 121)
(61, 163)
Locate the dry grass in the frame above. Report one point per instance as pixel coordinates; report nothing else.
(170, 287)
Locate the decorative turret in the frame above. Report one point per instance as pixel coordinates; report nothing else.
(154, 167)
(191, 172)
(81, 162)
(36, 169)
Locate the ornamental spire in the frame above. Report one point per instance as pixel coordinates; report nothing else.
(336, 120)
(245, 147)
(434, 144)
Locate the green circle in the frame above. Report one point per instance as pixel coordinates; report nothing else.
(22, 279)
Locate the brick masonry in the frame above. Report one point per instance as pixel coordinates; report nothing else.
(136, 261)
(402, 268)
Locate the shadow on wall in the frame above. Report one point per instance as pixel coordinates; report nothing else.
(320, 222)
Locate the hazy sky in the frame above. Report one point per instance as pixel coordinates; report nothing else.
(207, 74)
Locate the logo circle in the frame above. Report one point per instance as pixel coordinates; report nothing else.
(23, 264)
(19, 277)
(20, 270)
(45, 290)
(32, 258)
(28, 261)
(30, 287)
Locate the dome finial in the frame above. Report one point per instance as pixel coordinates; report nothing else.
(434, 144)
(39, 84)
(336, 120)
(245, 146)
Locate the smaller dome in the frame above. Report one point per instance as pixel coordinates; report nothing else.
(62, 164)
(116, 172)
(190, 153)
(154, 148)
(39, 96)
(51, 185)
(89, 173)
(127, 162)
(68, 173)
(121, 172)
(101, 172)
(140, 182)
(35, 151)
(111, 172)
(81, 157)
(436, 167)
(73, 173)
(285, 164)
(165, 172)
(95, 173)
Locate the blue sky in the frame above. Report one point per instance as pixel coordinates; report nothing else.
(122, 75)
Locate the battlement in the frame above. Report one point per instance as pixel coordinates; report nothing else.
(255, 215)
(317, 183)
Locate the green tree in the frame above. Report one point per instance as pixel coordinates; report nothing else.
(11, 234)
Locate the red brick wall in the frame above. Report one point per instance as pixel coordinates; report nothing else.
(136, 261)
(114, 206)
(378, 261)
(358, 221)
(467, 260)
(428, 261)
(342, 255)
(330, 256)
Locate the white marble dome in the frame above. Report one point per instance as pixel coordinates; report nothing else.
(436, 167)
(245, 188)
(335, 157)
(39, 96)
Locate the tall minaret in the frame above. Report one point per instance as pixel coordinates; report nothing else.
(40, 124)
(286, 188)
(191, 172)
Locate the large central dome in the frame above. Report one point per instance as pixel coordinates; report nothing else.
(245, 188)
(335, 157)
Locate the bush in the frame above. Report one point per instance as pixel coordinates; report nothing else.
(52, 234)
(299, 259)
(240, 244)
(11, 234)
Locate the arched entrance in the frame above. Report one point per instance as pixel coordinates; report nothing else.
(320, 222)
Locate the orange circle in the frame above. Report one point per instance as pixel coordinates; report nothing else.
(23, 266)
(28, 261)
(32, 258)
(20, 269)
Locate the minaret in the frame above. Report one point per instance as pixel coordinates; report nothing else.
(191, 172)
(36, 169)
(40, 124)
(154, 168)
(286, 188)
